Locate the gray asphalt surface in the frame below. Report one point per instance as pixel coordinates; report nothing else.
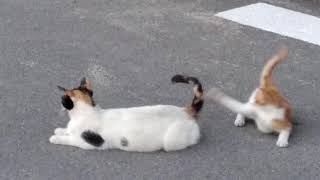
(130, 50)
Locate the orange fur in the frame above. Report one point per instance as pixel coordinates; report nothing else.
(78, 95)
(266, 75)
(268, 94)
(189, 110)
(266, 106)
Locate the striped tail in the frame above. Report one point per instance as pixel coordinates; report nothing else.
(197, 101)
(266, 75)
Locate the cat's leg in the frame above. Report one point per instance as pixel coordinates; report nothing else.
(70, 141)
(283, 127)
(283, 138)
(234, 105)
(60, 131)
(241, 119)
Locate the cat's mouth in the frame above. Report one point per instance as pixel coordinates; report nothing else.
(67, 102)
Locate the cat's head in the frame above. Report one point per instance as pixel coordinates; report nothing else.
(83, 93)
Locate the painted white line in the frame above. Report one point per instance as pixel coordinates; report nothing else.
(277, 20)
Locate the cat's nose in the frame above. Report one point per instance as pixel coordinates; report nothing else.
(67, 102)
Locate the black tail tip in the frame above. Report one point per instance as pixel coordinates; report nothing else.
(178, 78)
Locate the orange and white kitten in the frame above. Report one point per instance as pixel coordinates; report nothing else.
(266, 106)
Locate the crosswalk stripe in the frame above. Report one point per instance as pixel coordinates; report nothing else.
(277, 20)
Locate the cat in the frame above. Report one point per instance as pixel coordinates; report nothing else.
(266, 106)
(139, 129)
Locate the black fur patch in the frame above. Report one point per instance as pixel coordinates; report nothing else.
(67, 102)
(186, 79)
(92, 138)
(124, 142)
(83, 87)
(61, 88)
(197, 102)
(179, 79)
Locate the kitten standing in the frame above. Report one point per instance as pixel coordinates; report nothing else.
(142, 129)
(266, 106)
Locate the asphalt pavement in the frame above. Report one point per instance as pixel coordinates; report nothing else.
(130, 50)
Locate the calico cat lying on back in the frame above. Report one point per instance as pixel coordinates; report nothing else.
(141, 129)
(266, 106)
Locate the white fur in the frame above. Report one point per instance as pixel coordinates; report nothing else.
(147, 128)
(262, 115)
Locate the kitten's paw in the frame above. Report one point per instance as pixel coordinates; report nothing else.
(60, 131)
(54, 139)
(240, 121)
(282, 143)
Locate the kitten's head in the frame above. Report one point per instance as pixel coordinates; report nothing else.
(82, 93)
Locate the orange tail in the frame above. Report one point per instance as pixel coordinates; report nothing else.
(266, 75)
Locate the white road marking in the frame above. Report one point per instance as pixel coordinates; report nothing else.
(277, 20)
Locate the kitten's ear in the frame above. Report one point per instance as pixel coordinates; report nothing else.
(61, 88)
(86, 83)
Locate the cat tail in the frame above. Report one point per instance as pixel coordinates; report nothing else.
(230, 103)
(266, 79)
(197, 101)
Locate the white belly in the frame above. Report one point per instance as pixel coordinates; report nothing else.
(265, 116)
(144, 128)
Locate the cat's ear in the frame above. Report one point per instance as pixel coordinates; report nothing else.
(61, 88)
(85, 83)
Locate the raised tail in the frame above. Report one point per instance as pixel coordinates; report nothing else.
(197, 101)
(266, 74)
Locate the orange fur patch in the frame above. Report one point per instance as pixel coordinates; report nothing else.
(191, 111)
(268, 94)
(80, 96)
(280, 124)
(271, 96)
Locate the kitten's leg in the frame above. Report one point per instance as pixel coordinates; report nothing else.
(234, 105)
(60, 131)
(240, 120)
(70, 141)
(283, 138)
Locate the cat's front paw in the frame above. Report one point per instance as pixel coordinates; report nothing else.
(282, 143)
(240, 121)
(54, 139)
